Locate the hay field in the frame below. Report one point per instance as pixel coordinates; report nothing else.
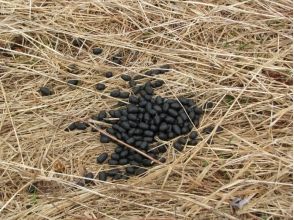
(237, 54)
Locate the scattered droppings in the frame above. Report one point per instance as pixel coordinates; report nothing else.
(78, 42)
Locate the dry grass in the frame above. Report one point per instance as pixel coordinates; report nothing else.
(237, 54)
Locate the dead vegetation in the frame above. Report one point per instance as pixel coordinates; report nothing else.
(236, 54)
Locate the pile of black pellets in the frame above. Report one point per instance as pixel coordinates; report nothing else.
(146, 122)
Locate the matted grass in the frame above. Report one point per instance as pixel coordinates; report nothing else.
(237, 54)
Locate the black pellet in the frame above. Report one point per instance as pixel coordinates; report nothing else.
(112, 162)
(157, 83)
(178, 146)
(131, 141)
(71, 127)
(147, 162)
(192, 115)
(159, 100)
(143, 103)
(137, 89)
(97, 50)
(156, 120)
(45, 91)
(162, 136)
(131, 132)
(124, 153)
(112, 113)
(169, 119)
(115, 156)
(102, 157)
(134, 163)
(102, 176)
(146, 117)
(140, 171)
(149, 90)
(131, 157)
(138, 158)
(198, 111)
(104, 138)
(144, 145)
(162, 148)
(90, 177)
(125, 136)
(138, 131)
(163, 126)
(175, 105)
(157, 108)
(137, 137)
(126, 77)
(185, 130)
(123, 161)
(149, 133)
(113, 172)
(133, 99)
(172, 112)
(132, 83)
(130, 170)
(73, 82)
(182, 140)
(81, 125)
(118, 149)
(132, 117)
(192, 142)
(171, 135)
(124, 95)
(101, 115)
(165, 107)
(118, 135)
(118, 128)
(162, 160)
(133, 124)
(125, 125)
(108, 74)
(115, 93)
(124, 112)
(176, 129)
(148, 139)
(132, 108)
(193, 135)
(148, 97)
(184, 116)
(143, 125)
(180, 121)
(153, 128)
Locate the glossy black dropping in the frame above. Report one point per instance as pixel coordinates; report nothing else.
(73, 82)
(143, 125)
(130, 170)
(71, 127)
(178, 146)
(108, 74)
(124, 153)
(133, 99)
(157, 83)
(118, 149)
(165, 107)
(148, 133)
(132, 117)
(123, 161)
(112, 162)
(45, 91)
(115, 93)
(172, 112)
(97, 50)
(147, 162)
(176, 129)
(81, 125)
(101, 158)
(140, 171)
(192, 142)
(131, 141)
(102, 176)
(132, 83)
(193, 135)
(104, 139)
(126, 77)
(115, 156)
